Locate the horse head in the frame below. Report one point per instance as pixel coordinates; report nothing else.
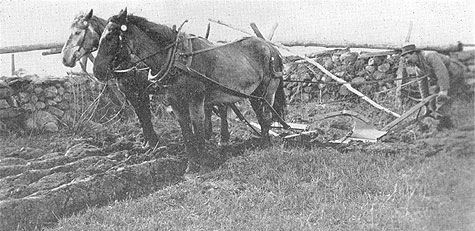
(84, 38)
(126, 36)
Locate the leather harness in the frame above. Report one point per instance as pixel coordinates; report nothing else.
(183, 60)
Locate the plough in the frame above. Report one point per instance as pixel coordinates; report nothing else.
(362, 130)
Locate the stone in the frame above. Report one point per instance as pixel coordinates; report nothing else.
(30, 88)
(370, 69)
(23, 97)
(60, 90)
(58, 99)
(375, 61)
(50, 102)
(377, 75)
(384, 67)
(38, 90)
(361, 73)
(63, 105)
(340, 74)
(55, 111)
(3, 84)
(328, 64)
(67, 96)
(9, 113)
(12, 101)
(335, 58)
(67, 85)
(28, 107)
(51, 127)
(51, 92)
(5, 92)
(349, 57)
(4, 104)
(40, 105)
(33, 99)
(389, 85)
(343, 90)
(358, 80)
(39, 119)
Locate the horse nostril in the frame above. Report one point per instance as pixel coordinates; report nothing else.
(68, 63)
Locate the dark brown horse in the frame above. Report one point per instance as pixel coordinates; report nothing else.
(86, 31)
(195, 73)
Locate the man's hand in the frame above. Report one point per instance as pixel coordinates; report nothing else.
(442, 98)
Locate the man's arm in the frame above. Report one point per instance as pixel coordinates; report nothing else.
(440, 71)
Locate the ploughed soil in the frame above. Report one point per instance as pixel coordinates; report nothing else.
(45, 177)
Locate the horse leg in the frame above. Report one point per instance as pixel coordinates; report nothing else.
(208, 125)
(197, 116)
(141, 104)
(223, 115)
(257, 107)
(266, 110)
(183, 116)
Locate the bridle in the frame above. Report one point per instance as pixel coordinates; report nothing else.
(166, 67)
(81, 45)
(163, 78)
(172, 48)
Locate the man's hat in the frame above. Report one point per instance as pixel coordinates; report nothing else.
(408, 48)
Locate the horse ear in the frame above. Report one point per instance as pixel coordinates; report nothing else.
(88, 16)
(123, 15)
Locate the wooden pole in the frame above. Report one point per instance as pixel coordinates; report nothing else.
(441, 48)
(208, 28)
(52, 51)
(409, 112)
(346, 84)
(25, 48)
(409, 31)
(13, 64)
(272, 31)
(257, 31)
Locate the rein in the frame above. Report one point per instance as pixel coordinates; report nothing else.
(199, 76)
(82, 45)
(170, 63)
(170, 57)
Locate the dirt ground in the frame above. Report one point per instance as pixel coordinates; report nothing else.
(58, 176)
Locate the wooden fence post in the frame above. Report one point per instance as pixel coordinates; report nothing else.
(13, 64)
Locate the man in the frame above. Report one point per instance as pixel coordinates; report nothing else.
(445, 71)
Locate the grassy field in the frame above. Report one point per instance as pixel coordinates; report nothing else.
(426, 183)
(308, 189)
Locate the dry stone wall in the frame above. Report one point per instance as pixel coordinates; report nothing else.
(379, 74)
(50, 103)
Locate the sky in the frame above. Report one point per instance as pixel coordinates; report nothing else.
(435, 22)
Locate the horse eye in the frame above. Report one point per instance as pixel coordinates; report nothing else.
(77, 32)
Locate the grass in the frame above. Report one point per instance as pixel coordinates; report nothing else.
(303, 189)
(401, 187)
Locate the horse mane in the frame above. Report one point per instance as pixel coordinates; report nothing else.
(161, 34)
(97, 23)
